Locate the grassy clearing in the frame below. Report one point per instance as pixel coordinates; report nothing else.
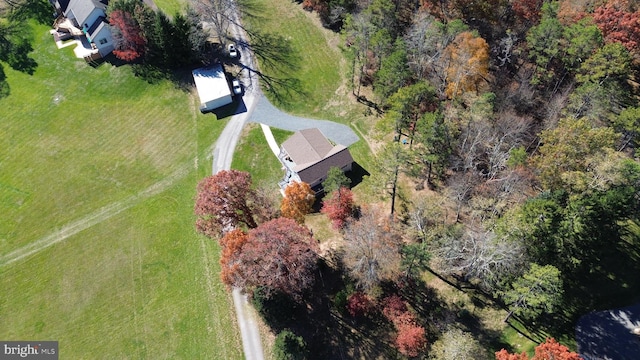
(322, 69)
(138, 284)
(318, 65)
(82, 138)
(172, 7)
(254, 156)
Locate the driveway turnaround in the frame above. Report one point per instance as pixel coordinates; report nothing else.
(609, 334)
(266, 113)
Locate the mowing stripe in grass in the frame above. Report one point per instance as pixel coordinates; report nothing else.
(93, 218)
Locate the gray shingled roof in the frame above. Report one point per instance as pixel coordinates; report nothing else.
(313, 154)
(83, 8)
(307, 146)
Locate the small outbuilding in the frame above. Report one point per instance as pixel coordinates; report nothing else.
(308, 155)
(213, 88)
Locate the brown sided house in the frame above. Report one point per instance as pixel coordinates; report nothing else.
(307, 156)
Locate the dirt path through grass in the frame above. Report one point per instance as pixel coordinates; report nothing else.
(93, 218)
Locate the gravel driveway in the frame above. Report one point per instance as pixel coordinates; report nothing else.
(267, 114)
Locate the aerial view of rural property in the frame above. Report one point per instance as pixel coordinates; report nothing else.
(320, 179)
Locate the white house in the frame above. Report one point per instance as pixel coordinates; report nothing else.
(307, 156)
(85, 18)
(213, 88)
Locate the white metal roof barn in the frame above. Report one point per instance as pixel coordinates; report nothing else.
(213, 88)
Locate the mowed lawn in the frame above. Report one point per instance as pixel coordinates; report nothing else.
(319, 65)
(98, 169)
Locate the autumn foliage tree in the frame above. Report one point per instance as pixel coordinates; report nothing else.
(279, 255)
(359, 304)
(619, 25)
(549, 350)
(468, 64)
(226, 200)
(298, 201)
(528, 10)
(339, 207)
(232, 243)
(128, 37)
(410, 338)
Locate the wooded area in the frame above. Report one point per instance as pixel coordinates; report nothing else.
(506, 165)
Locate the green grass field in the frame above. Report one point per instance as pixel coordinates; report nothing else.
(98, 170)
(254, 156)
(318, 66)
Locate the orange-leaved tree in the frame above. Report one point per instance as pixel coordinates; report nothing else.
(298, 201)
(232, 243)
(468, 68)
(548, 350)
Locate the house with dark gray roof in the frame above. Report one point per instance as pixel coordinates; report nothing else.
(308, 155)
(88, 19)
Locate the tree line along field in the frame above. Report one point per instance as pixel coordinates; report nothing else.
(97, 178)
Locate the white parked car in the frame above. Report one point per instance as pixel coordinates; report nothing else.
(233, 52)
(237, 88)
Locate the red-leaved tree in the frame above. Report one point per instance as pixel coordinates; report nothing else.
(549, 350)
(619, 25)
(339, 207)
(527, 9)
(411, 339)
(279, 255)
(226, 200)
(359, 304)
(127, 35)
(298, 201)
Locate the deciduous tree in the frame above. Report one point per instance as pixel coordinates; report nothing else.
(426, 41)
(371, 251)
(128, 38)
(411, 339)
(455, 344)
(468, 68)
(359, 304)
(552, 350)
(232, 243)
(619, 25)
(549, 350)
(339, 207)
(566, 148)
(226, 200)
(279, 255)
(298, 201)
(480, 255)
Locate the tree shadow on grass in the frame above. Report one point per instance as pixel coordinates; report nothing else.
(327, 330)
(439, 314)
